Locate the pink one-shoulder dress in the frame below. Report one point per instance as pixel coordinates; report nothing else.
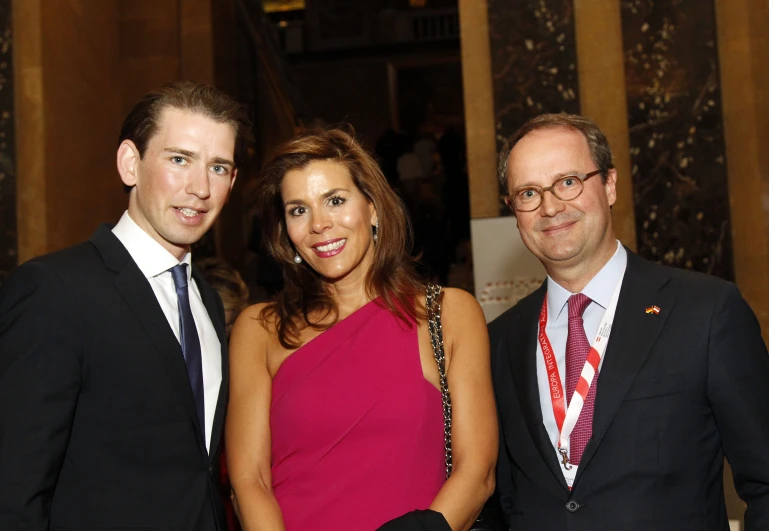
(357, 431)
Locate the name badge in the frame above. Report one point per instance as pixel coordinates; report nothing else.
(569, 474)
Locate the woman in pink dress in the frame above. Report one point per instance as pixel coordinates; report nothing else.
(335, 419)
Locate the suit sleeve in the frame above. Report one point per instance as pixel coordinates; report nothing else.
(738, 389)
(504, 478)
(503, 472)
(40, 373)
(427, 520)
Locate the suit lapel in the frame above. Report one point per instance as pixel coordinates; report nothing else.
(140, 298)
(633, 335)
(524, 370)
(213, 307)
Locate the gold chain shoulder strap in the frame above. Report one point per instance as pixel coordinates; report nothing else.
(433, 306)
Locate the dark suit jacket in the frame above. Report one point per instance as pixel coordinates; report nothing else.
(677, 392)
(98, 428)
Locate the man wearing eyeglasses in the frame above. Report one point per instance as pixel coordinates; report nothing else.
(621, 384)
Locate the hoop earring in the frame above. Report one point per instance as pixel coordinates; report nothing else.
(376, 231)
(297, 259)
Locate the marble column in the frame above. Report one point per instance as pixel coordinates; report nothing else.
(68, 116)
(534, 61)
(743, 46)
(600, 60)
(517, 61)
(553, 56)
(71, 99)
(676, 129)
(479, 109)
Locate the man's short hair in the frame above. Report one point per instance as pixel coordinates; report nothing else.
(600, 151)
(141, 124)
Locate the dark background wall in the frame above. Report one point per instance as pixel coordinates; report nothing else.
(534, 61)
(354, 91)
(7, 146)
(677, 147)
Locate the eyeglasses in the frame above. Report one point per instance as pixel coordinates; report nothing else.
(566, 188)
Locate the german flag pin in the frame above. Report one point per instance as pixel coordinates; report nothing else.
(653, 309)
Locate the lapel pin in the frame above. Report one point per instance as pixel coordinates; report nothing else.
(653, 309)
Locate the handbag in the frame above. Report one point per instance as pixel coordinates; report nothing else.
(491, 518)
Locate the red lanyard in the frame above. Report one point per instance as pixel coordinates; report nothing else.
(557, 394)
(566, 419)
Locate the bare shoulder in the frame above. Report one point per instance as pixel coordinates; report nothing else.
(464, 331)
(459, 305)
(253, 312)
(463, 322)
(252, 315)
(251, 332)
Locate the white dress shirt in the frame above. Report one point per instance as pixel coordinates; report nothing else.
(155, 263)
(599, 289)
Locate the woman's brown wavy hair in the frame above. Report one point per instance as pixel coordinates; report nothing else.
(306, 300)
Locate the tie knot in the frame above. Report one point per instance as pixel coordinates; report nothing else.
(577, 305)
(179, 272)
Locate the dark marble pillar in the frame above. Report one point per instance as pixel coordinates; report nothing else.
(533, 60)
(676, 134)
(7, 147)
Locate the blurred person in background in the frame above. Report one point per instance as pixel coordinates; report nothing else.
(230, 286)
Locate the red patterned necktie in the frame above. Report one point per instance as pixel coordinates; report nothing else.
(577, 349)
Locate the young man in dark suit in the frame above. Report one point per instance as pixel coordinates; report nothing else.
(113, 355)
(631, 436)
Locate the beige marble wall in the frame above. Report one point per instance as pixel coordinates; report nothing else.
(80, 65)
(30, 181)
(149, 53)
(479, 109)
(602, 98)
(68, 105)
(197, 40)
(743, 47)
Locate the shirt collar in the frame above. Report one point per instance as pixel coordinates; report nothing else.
(151, 257)
(599, 289)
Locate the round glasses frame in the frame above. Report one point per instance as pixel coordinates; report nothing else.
(512, 200)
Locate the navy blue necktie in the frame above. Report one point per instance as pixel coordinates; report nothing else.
(188, 335)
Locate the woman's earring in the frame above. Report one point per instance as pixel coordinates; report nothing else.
(297, 259)
(376, 231)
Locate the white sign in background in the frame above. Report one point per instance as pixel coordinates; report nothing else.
(503, 268)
